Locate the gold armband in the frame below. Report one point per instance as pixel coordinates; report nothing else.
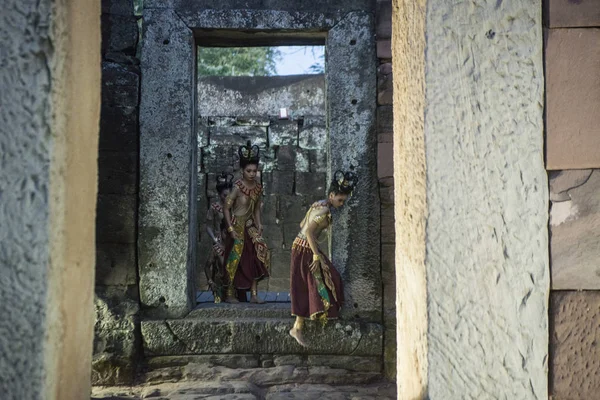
(228, 201)
(230, 229)
(316, 257)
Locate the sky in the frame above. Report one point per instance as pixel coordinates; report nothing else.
(296, 60)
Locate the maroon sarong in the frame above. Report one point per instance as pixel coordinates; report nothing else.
(305, 297)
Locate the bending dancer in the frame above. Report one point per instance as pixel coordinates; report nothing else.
(216, 229)
(246, 253)
(316, 286)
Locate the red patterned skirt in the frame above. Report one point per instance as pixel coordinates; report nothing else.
(314, 295)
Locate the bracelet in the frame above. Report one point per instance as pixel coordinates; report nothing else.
(316, 257)
(230, 229)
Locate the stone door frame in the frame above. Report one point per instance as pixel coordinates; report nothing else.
(167, 229)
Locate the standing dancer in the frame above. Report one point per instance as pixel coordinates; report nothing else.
(217, 231)
(316, 286)
(246, 253)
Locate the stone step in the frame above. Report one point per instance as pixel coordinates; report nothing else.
(197, 336)
(188, 390)
(241, 310)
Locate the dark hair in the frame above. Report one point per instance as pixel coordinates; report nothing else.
(343, 183)
(249, 155)
(224, 182)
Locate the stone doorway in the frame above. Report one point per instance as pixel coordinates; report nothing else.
(169, 179)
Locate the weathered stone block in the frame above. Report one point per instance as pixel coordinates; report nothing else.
(563, 181)
(290, 231)
(385, 119)
(385, 160)
(286, 158)
(280, 284)
(389, 353)
(116, 218)
(273, 234)
(117, 7)
(216, 159)
(115, 264)
(254, 120)
(572, 99)
(261, 95)
(116, 337)
(386, 191)
(385, 87)
(283, 133)
(120, 85)
(280, 267)
(216, 360)
(282, 182)
(118, 129)
(384, 49)
(268, 160)
(350, 363)
(383, 22)
(387, 224)
(293, 208)
(574, 340)
(221, 121)
(236, 136)
(575, 230)
(318, 160)
(119, 33)
(313, 185)
(313, 133)
(269, 209)
(571, 13)
(267, 336)
(302, 160)
(202, 133)
(117, 172)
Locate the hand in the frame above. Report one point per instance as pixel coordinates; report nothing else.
(234, 235)
(314, 266)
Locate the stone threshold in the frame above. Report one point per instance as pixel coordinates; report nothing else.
(216, 330)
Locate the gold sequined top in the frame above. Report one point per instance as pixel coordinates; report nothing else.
(320, 214)
(243, 201)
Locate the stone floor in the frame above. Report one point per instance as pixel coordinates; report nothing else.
(245, 391)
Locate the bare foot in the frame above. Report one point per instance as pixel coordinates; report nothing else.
(231, 300)
(254, 299)
(296, 334)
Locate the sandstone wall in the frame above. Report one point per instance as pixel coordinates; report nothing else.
(293, 165)
(49, 108)
(572, 48)
(116, 342)
(471, 200)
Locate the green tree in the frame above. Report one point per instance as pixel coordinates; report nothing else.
(237, 61)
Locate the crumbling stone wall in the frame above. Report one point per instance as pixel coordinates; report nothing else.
(293, 165)
(572, 50)
(116, 341)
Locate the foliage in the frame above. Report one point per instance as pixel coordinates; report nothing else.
(318, 67)
(237, 61)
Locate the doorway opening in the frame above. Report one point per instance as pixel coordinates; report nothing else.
(274, 97)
